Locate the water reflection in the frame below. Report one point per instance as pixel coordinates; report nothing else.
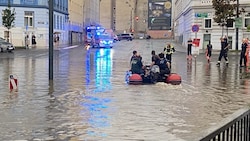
(222, 75)
(95, 105)
(207, 74)
(244, 77)
(103, 68)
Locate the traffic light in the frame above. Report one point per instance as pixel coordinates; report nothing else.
(136, 18)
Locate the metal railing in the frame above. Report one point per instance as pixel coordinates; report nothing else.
(235, 128)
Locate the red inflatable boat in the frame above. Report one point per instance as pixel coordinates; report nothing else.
(174, 79)
(136, 79)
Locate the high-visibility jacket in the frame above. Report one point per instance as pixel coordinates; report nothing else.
(169, 49)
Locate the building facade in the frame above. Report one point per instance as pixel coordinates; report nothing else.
(118, 15)
(91, 12)
(76, 21)
(107, 15)
(142, 17)
(32, 17)
(188, 14)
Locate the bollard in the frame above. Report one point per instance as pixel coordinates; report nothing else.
(13, 83)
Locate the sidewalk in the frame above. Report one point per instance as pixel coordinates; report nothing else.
(56, 47)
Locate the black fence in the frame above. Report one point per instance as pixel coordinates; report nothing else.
(235, 130)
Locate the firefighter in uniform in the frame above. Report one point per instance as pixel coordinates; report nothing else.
(168, 51)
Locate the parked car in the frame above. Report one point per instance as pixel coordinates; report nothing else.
(6, 46)
(125, 36)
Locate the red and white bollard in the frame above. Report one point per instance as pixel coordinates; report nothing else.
(13, 83)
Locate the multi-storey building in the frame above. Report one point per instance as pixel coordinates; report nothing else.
(193, 13)
(139, 16)
(92, 12)
(108, 14)
(32, 17)
(82, 13)
(76, 20)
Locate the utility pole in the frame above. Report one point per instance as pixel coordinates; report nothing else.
(51, 31)
(237, 29)
(135, 14)
(131, 19)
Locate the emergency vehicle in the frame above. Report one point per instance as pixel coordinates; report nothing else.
(97, 37)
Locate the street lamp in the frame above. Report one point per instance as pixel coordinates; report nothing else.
(131, 16)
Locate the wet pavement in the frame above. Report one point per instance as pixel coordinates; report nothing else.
(89, 99)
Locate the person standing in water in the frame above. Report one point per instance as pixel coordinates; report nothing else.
(209, 51)
(168, 51)
(189, 49)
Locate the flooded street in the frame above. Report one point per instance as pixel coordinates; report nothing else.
(88, 100)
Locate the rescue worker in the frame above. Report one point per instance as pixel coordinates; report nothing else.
(136, 63)
(223, 51)
(164, 64)
(168, 51)
(155, 58)
(243, 56)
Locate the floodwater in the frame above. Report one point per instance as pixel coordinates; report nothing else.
(88, 99)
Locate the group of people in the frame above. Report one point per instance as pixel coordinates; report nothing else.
(244, 55)
(160, 63)
(33, 40)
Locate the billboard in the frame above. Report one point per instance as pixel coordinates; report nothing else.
(159, 14)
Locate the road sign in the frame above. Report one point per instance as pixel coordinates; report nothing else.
(201, 15)
(238, 22)
(196, 42)
(195, 28)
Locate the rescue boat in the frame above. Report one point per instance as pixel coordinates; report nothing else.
(136, 79)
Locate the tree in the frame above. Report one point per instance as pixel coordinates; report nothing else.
(224, 10)
(8, 19)
(248, 28)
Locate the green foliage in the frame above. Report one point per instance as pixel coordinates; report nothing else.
(248, 28)
(8, 18)
(224, 9)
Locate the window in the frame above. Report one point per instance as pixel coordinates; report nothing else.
(61, 22)
(57, 22)
(54, 21)
(247, 21)
(208, 23)
(230, 23)
(28, 18)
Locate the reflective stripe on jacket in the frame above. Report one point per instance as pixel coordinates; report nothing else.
(168, 50)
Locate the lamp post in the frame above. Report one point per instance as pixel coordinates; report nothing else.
(131, 19)
(51, 31)
(131, 15)
(237, 29)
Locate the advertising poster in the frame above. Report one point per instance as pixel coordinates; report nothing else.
(159, 14)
